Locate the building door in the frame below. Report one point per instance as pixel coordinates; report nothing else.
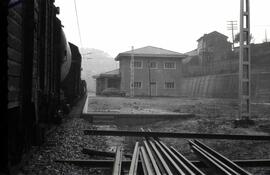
(153, 87)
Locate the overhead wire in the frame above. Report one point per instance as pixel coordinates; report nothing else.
(78, 25)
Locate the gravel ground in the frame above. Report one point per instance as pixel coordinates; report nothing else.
(215, 117)
(65, 143)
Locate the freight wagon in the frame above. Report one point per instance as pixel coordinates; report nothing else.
(38, 61)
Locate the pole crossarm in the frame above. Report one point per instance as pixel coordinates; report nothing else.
(232, 25)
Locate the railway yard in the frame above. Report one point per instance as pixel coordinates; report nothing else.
(212, 116)
(205, 110)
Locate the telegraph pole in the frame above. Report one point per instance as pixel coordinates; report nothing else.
(232, 25)
(132, 73)
(149, 76)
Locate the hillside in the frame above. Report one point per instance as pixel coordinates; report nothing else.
(94, 62)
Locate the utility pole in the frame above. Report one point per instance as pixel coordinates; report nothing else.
(149, 76)
(244, 62)
(232, 25)
(132, 73)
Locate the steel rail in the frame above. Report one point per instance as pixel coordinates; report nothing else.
(94, 163)
(154, 153)
(169, 159)
(142, 162)
(222, 158)
(181, 159)
(209, 162)
(135, 160)
(151, 156)
(164, 166)
(187, 162)
(159, 163)
(129, 115)
(117, 162)
(147, 167)
(180, 163)
(152, 159)
(225, 166)
(93, 152)
(176, 135)
(155, 138)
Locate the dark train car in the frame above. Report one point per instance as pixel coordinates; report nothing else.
(31, 61)
(83, 88)
(71, 84)
(3, 85)
(38, 60)
(22, 76)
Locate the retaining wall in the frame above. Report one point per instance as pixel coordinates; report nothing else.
(225, 86)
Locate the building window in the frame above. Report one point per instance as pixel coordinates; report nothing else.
(137, 64)
(169, 65)
(137, 84)
(153, 65)
(169, 85)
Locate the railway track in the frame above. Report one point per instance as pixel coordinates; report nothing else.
(153, 156)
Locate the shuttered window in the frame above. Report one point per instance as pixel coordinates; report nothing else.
(137, 64)
(169, 65)
(137, 84)
(153, 65)
(169, 85)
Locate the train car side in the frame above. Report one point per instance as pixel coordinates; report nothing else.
(71, 83)
(38, 60)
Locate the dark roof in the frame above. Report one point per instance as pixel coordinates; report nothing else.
(190, 56)
(192, 53)
(112, 73)
(212, 33)
(150, 51)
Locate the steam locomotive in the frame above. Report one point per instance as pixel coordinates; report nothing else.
(40, 74)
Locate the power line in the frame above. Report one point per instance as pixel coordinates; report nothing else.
(79, 30)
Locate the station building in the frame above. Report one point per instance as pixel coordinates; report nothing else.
(157, 71)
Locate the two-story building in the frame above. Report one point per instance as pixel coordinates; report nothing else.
(157, 71)
(213, 46)
(212, 55)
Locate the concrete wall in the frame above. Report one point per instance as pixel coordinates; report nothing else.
(158, 75)
(219, 79)
(226, 86)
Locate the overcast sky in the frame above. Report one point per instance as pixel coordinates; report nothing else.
(115, 25)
